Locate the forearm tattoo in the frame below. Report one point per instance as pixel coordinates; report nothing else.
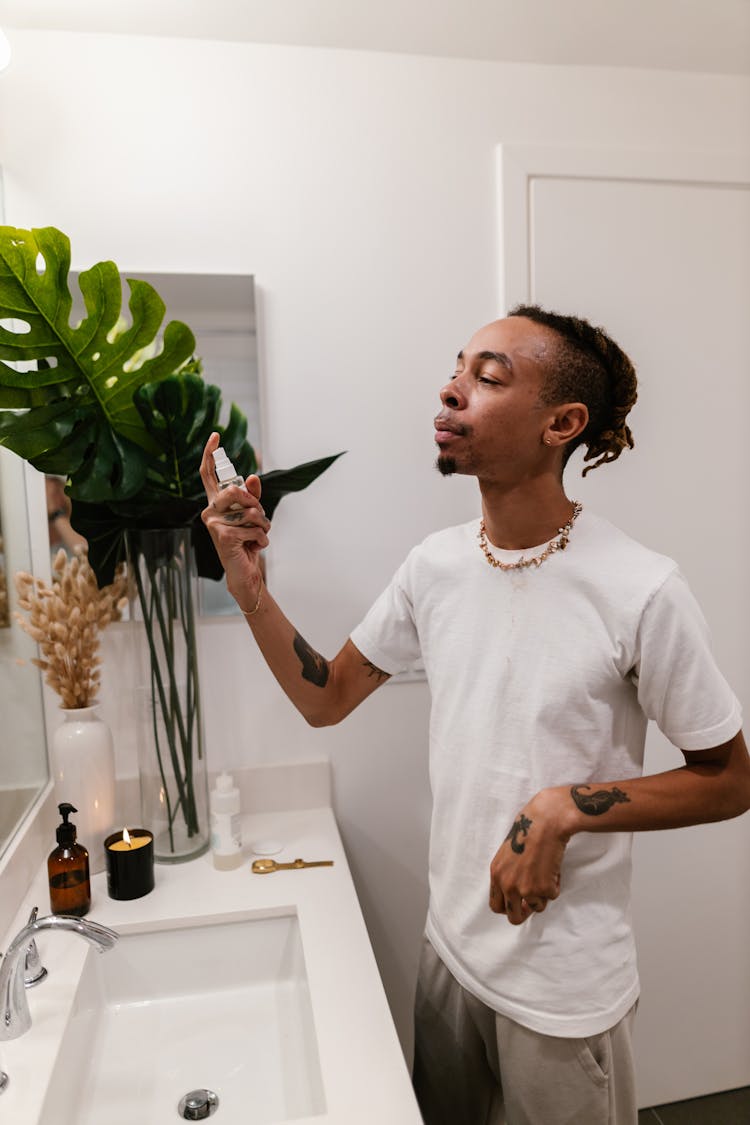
(314, 666)
(521, 825)
(373, 670)
(598, 802)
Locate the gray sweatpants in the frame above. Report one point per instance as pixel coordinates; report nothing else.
(473, 1066)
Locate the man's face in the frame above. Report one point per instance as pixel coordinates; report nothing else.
(492, 421)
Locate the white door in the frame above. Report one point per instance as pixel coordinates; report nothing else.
(656, 248)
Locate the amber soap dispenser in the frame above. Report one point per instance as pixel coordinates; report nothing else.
(68, 870)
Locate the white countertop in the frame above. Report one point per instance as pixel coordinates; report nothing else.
(364, 1074)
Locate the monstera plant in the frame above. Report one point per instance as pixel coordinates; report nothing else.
(124, 426)
(121, 410)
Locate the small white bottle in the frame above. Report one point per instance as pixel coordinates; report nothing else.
(226, 833)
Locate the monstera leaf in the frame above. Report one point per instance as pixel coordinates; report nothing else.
(76, 416)
(179, 414)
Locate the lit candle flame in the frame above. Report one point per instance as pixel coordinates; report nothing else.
(126, 837)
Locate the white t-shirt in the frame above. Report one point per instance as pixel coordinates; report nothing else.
(538, 678)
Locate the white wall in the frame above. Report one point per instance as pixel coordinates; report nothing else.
(360, 190)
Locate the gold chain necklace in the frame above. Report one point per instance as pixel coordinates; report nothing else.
(558, 544)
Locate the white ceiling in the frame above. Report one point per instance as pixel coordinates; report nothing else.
(691, 35)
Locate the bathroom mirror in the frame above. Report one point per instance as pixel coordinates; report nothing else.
(23, 746)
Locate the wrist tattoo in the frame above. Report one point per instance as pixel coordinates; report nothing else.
(521, 825)
(373, 670)
(598, 802)
(314, 666)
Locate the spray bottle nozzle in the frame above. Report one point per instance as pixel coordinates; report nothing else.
(225, 471)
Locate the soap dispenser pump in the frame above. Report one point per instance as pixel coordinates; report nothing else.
(68, 870)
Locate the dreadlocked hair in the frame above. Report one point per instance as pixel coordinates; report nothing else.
(587, 366)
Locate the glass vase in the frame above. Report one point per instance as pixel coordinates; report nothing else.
(171, 759)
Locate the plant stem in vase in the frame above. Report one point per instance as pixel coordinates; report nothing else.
(172, 765)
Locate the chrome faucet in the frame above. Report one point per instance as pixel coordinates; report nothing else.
(15, 1017)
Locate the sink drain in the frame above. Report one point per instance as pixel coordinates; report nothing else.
(198, 1104)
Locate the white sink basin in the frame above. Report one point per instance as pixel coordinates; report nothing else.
(222, 1005)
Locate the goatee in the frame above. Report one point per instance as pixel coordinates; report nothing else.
(445, 465)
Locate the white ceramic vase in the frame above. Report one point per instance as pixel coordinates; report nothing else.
(83, 763)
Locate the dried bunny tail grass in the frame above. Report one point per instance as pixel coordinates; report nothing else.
(60, 561)
(65, 619)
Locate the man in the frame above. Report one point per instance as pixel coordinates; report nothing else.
(549, 639)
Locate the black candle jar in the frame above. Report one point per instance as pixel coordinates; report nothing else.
(130, 867)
